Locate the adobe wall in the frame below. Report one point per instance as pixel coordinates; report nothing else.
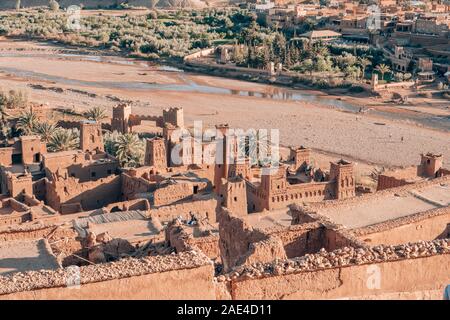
(312, 234)
(352, 274)
(133, 186)
(428, 225)
(89, 195)
(188, 275)
(172, 193)
(299, 193)
(386, 182)
(6, 156)
(203, 208)
(34, 231)
(377, 195)
(136, 119)
(240, 243)
(177, 237)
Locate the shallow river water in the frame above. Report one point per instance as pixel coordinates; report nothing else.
(187, 84)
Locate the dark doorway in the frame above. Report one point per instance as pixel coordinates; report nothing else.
(17, 158)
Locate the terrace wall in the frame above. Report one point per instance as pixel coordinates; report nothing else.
(425, 226)
(346, 273)
(397, 276)
(187, 275)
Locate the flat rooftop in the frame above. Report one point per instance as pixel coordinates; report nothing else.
(29, 255)
(388, 206)
(133, 225)
(131, 230)
(269, 219)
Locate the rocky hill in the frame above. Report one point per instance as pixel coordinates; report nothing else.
(102, 4)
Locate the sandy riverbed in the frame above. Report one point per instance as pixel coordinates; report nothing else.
(364, 136)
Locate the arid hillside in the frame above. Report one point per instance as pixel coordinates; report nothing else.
(96, 4)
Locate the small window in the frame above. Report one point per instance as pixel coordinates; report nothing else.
(93, 174)
(235, 198)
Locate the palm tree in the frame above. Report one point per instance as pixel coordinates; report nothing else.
(129, 150)
(110, 140)
(96, 114)
(64, 140)
(4, 115)
(46, 130)
(27, 122)
(319, 50)
(382, 68)
(364, 62)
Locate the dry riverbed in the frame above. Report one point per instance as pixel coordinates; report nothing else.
(367, 138)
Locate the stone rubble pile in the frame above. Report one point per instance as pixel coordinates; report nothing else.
(342, 257)
(127, 267)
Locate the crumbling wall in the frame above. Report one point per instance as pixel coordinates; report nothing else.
(346, 273)
(177, 237)
(201, 208)
(172, 193)
(6, 156)
(386, 182)
(136, 204)
(188, 275)
(64, 193)
(133, 187)
(240, 243)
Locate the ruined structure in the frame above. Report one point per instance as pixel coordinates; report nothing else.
(227, 229)
(431, 166)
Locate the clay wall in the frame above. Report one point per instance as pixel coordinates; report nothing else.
(63, 194)
(6, 156)
(177, 237)
(133, 187)
(33, 232)
(424, 226)
(187, 275)
(135, 120)
(240, 243)
(137, 204)
(313, 277)
(32, 149)
(17, 185)
(172, 193)
(386, 182)
(39, 189)
(202, 208)
(299, 193)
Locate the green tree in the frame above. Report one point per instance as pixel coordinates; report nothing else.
(64, 140)
(46, 130)
(95, 114)
(382, 69)
(5, 131)
(129, 150)
(307, 66)
(27, 122)
(54, 5)
(279, 48)
(364, 63)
